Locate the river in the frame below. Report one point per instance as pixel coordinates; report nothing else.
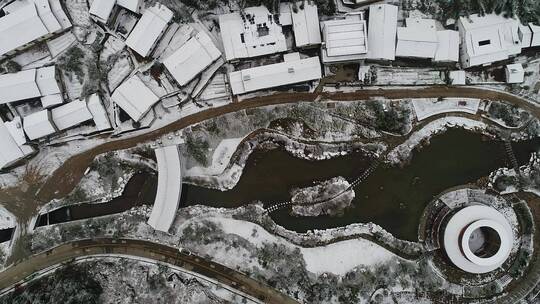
(391, 197)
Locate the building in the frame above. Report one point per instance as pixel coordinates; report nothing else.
(149, 29)
(344, 39)
(535, 35)
(18, 86)
(292, 70)
(192, 58)
(29, 22)
(13, 147)
(448, 46)
(252, 33)
(382, 31)
(169, 188)
(103, 9)
(478, 239)
(305, 21)
(29, 84)
(514, 73)
(457, 77)
(416, 42)
(487, 39)
(39, 124)
(70, 114)
(134, 97)
(99, 113)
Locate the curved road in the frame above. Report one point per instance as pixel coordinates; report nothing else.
(17, 273)
(62, 181)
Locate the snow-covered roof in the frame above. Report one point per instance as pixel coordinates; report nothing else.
(457, 77)
(267, 76)
(192, 58)
(488, 38)
(306, 27)
(51, 100)
(515, 73)
(285, 13)
(132, 5)
(18, 86)
(28, 20)
(46, 81)
(47, 16)
(10, 151)
(102, 9)
(20, 28)
(382, 31)
(417, 42)
(254, 33)
(535, 29)
(70, 114)
(344, 39)
(99, 114)
(134, 97)
(38, 124)
(458, 233)
(169, 189)
(146, 33)
(448, 46)
(15, 128)
(60, 14)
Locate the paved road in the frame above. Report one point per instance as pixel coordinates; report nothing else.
(142, 249)
(65, 178)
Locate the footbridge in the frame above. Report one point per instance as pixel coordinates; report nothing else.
(169, 188)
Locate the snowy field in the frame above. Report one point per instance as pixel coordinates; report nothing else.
(428, 107)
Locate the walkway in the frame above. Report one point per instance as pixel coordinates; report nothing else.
(142, 249)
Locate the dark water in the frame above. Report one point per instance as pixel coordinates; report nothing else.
(140, 190)
(391, 197)
(6, 234)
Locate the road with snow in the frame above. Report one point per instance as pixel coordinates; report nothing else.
(237, 282)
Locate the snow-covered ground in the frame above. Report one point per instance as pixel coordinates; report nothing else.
(220, 158)
(428, 107)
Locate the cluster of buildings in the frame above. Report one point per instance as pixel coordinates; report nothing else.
(255, 42)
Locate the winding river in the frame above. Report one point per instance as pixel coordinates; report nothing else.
(391, 197)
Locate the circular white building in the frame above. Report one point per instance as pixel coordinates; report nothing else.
(478, 239)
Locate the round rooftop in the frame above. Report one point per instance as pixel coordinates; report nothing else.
(478, 239)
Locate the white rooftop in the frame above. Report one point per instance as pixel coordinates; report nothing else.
(146, 33)
(132, 5)
(169, 189)
(448, 46)
(70, 114)
(416, 42)
(18, 86)
(344, 39)
(46, 81)
(515, 73)
(292, 70)
(134, 97)
(254, 33)
(38, 124)
(382, 31)
(15, 128)
(99, 113)
(306, 27)
(51, 100)
(192, 58)
(20, 28)
(488, 38)
(10, 150)
(102, 9)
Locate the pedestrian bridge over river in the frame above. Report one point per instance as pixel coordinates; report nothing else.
(169, 188)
